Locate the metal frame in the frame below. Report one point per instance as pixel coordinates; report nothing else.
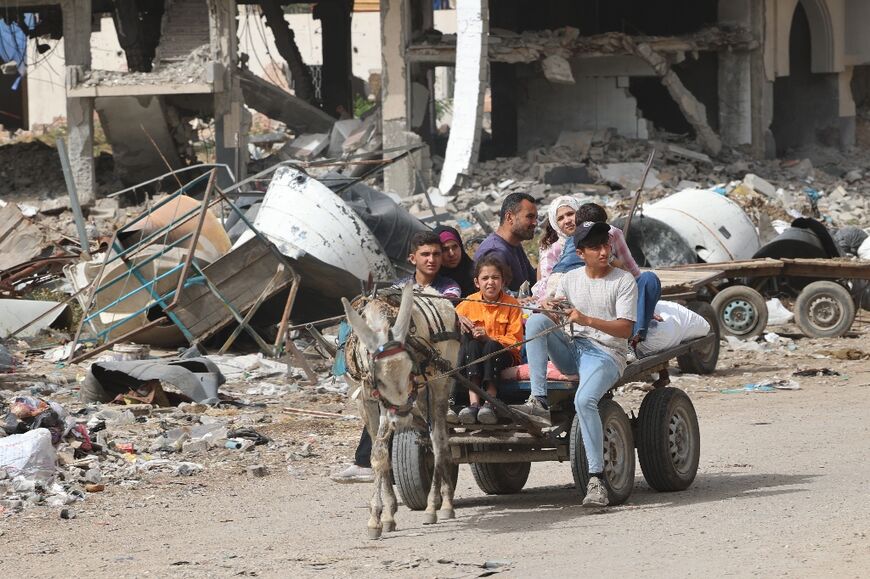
(190, 274)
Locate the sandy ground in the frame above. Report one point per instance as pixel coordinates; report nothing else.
(782, 489)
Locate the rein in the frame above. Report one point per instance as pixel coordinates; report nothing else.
(389, 349)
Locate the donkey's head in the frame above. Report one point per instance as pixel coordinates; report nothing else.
(390, 363)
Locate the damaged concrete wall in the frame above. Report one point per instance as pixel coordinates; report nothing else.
(545, 109)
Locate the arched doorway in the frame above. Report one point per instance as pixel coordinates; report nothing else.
(805, 104)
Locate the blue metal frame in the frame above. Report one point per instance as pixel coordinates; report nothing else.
(134, 269)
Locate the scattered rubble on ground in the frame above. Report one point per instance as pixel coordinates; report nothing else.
(262, 417)
(56, 449)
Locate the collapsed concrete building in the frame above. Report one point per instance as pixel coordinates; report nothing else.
(770, 75)
(182, 62)
(764, 75)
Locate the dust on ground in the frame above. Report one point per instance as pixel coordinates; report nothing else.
(782, 489)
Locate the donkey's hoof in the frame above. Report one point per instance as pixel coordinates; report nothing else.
(389, 526)
(446, 514)
(430, 518)
(374, 532)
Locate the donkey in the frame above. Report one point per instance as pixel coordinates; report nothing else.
(392, 363)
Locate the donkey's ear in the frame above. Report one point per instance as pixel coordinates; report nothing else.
(368, 337)
(403, 318)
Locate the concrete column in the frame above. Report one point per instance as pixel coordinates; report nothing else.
(399, 177)
(847, 109)
(79, 111)
(763, 144)
(735, 86)
(337, 64)
(231, 146)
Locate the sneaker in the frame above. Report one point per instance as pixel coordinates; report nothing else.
(596, 493)
(452, 417)
(533, 408)
(487, 415)
(468, 415)
(354, 474)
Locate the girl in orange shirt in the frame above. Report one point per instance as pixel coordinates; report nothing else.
(488, 327)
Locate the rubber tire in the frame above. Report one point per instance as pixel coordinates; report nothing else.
(412, 469)
(499, 478)
(694, 362)
(653, 444)
(610, 411)
(828, 289)
(746, 294)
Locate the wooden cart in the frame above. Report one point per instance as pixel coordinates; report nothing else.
(824, 306)
(665, 433)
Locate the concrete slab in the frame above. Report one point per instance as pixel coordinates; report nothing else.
(629, 175)
(278, 104)
(141, 141)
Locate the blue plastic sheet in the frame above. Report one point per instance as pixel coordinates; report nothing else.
(13, 44)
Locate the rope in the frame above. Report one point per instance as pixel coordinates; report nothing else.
(558, 326)
(533, 309)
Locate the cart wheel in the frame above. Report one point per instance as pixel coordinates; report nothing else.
(669, 440)
(619, 462)
(499, 478)
(702, 360)
(413, 464)
(824, 309)
(741, 312)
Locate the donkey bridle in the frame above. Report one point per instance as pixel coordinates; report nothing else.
(390, 348)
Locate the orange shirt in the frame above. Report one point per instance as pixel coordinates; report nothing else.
(502, 324)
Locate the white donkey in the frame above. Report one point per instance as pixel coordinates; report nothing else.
(392, 363)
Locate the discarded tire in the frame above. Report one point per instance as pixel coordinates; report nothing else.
(669, 440)
(741, 311)
(702, 360)
(619, 463)
(499, 478)
(824, 309)
(413, 465)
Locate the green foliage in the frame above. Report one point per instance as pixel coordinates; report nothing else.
(361, 105)
(443, 107)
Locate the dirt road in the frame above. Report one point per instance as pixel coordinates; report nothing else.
(783, 489)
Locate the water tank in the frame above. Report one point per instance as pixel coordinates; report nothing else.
(715, 227)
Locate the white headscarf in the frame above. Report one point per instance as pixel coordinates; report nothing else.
(564, 200)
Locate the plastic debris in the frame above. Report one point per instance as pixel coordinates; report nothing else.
(777, 313)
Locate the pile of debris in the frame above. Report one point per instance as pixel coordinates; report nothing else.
(56, 447)
(605, 168)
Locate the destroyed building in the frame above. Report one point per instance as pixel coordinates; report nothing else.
(733, 73)
(730, 74)
(181, 61)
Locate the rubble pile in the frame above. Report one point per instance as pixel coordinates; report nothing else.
(56, 449)
(606, 168)
(188, 71)
(32, 171)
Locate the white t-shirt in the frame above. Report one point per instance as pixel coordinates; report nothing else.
(611, 297)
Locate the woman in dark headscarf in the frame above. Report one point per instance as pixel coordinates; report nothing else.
(456, 264)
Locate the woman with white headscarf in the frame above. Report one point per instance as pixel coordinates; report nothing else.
(561, 221)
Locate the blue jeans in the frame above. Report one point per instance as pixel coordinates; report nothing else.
(598, 373)
(555, 346)
(649, 291)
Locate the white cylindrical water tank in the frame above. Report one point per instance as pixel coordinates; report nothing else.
(302, 215)
(716, 227)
